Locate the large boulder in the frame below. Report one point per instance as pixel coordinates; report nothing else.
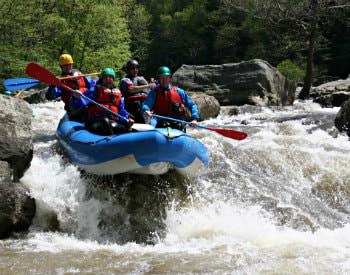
(17, 209)
(331, 94)
(250, 82)
(208, 105)
(16, 145)
(342, 120)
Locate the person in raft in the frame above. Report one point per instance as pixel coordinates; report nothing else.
(134, 89)
(105, 93)
(75, 111)
(169, 100)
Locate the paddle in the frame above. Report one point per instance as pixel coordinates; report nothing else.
(45, 76)
(15, 84)
(224, 132)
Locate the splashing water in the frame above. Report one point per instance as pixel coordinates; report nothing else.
(275, 203)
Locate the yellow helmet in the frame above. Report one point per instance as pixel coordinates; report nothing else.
(65, 59)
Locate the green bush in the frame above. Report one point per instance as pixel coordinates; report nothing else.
(291, 70)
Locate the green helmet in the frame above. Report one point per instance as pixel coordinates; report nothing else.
(163, 71)
(108, 71)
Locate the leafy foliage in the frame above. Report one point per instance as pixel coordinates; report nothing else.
(100, 33)
(94, 32)
(291, 70)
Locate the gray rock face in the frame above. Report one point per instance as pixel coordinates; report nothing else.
(34, 96)
(252, 82)
(16, 145)
(332, 94)
(208, 105)
(17, 209)
(342, 120)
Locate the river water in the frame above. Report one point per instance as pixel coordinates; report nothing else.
(275, 203)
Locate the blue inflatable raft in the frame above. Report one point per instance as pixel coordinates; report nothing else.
(146, 150)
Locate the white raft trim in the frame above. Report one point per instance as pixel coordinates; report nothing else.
(125, 164)
(140, 127)
(192, 169)
(128, 164)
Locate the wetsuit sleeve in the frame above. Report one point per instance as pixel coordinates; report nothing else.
(77, 103)
(124, 85)
(90, 83)
(189, 104)
(148, 104)
(53, 92)
(121, 109)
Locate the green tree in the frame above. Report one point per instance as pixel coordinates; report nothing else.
(302, 17)
(291, 70)
(94, 32)
(180, 32)
(138, 21)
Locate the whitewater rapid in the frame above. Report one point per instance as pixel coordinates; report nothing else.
(275, 203)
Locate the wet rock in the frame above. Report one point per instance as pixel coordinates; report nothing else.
(332, 94)
(342, 120)
(287, 216)
(17, 209)
(34, 96)
(136, 210)
(16, 145)
(45, 218)
(236, 110)
(208, 105)
(253, 82)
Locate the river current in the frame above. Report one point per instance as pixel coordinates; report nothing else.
(277, 202)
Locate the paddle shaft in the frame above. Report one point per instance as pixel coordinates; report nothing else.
(178, 120)
(224, 132)
(76, 76)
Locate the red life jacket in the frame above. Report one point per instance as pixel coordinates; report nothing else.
(74, 83)
(137, 97)
(168, 102)
(108, 98)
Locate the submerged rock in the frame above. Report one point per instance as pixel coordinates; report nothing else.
(17, 208)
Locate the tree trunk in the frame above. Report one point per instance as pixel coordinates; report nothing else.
(305, 92)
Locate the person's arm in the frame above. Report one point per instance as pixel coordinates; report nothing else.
(90, 83)
(189, 104)
(143, 85)
(125, 114)
(121, 109)
(53, 92)
(148, 104)
(77, 101)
